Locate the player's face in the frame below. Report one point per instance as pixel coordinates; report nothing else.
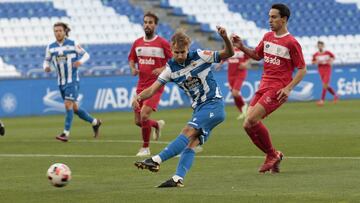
(59, 33)
(149, 25)
(275, 20)
(320, 46)
(179, 53)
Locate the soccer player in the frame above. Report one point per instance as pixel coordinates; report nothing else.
(65, 55)
(191, 71)
(324, 60)
(237, 71)
(2, 128)
(150, 53)
(281, 53)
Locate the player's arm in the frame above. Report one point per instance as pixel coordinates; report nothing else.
(147, 93)
(46, 64)
(332, 58)
(237, 42)
(134, 70)
(84, 56)
(218, 66)
(228, 50)
(314, 61)
(245, 64)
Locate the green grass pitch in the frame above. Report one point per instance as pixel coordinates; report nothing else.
(321, 147)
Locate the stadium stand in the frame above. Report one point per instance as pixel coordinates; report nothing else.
(340, 30)
(106, 28)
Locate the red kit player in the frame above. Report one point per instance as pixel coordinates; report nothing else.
(324, 60)
(281, 53)
(150, 53)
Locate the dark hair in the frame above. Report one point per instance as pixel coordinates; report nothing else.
(320, 42)
(283, 10)
(180, 38)
(152, 15)
(65, 26)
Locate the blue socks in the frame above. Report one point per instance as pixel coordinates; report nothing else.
(174, 148)
(185, 162)
(68, 119)
(84, 115)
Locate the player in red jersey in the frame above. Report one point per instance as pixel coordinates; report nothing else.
(150, 53)
(237, 71)
(324, 60)
(281, 53)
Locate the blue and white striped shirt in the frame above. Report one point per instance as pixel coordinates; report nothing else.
(194, 76)
(62, 57)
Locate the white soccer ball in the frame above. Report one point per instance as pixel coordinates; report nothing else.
(59, 174)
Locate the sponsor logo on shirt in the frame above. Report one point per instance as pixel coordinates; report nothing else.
(192, 83)
(272, 60)
(148, 61)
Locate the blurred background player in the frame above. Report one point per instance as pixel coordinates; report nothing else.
(66, 56)
(237, 71)
(324, 60)
(2, 128)
(281, 53)
(191, 71)
(150, 53)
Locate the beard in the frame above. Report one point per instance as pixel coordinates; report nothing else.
(149, 32)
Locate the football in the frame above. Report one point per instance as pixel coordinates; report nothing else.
(59, 174)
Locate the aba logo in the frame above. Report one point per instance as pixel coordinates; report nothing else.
(303, 91)
(192, 83)
(8, 103)
(54, 102)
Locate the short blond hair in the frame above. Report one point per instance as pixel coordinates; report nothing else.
(180, 39)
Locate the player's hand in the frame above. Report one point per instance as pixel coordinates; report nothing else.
(283, 94)
(135, 102)
(157, 71)
(221, 31)
(76, 64)
(236, 40)
(47, 69)
(134, 71)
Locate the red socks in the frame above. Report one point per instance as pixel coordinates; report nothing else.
(331, 90)
(146, 130)
(323, 93)
(261, 138)
(239, 102)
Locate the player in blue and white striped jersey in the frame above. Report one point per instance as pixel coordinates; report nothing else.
(66, 56)
(191, 71)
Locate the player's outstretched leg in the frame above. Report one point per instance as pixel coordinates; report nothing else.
(2, 128)
(96, 123)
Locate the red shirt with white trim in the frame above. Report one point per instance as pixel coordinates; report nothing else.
(282, 54)
(234, 62)
(149, 55)
(323, 59)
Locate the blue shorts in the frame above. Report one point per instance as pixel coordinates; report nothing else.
(70, 91)
(206, 116)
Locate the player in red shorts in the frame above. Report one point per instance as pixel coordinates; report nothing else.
(150, 53)
(324, 60)
(281, 53)
(237, 71)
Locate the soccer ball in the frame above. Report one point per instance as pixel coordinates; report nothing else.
(59, 174)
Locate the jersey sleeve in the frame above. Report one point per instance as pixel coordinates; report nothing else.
(314, 58)
(79, 49)
(167, 50)
(165, 75)
(331, 54)
(296, 55)
(209, 56)
(132, 55)
(259, 50)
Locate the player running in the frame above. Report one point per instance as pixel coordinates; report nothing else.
(191, 71)
(66, 56)
(150, 53)
(281, 53)
(324, 60)
(237, 71)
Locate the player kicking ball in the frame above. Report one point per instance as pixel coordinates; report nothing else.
(191, 71)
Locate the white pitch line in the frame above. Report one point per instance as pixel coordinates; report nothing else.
(93, 141)
(199, 156)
